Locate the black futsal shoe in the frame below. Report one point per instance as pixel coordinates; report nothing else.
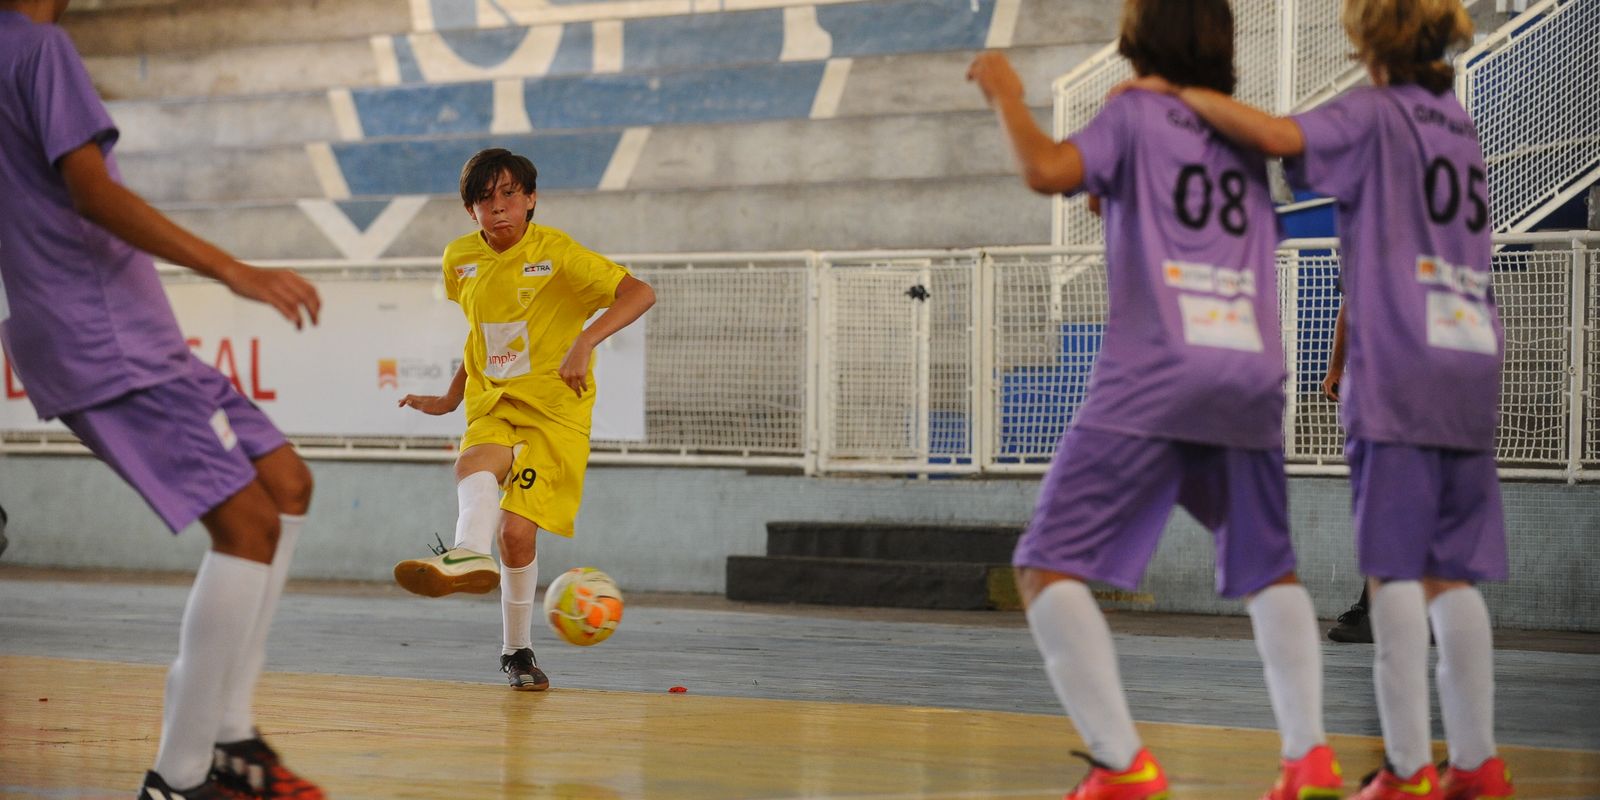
(155, 788)
(523, 672)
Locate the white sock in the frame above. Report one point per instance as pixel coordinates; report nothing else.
(238, 719)
(217, 624)
(1291, 656)
(1466, 675)
(1400, 674)
(1075, 641)
(478, 512)
(517, 587)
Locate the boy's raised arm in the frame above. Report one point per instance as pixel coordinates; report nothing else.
(634, 297)
(103, 201)
(1048, 166)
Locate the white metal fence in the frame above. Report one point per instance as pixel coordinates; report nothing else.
(974, 361)
(1531, 89)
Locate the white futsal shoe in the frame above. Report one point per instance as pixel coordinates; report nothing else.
(449, 571)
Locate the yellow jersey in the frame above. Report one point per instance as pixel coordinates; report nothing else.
(525, 308)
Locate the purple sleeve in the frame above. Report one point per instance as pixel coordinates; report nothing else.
(66, 111)
(1100, 146)
(1338, 136)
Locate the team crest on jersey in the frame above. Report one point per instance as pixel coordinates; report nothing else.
(467, 271)
(539, 270)
(525, 297)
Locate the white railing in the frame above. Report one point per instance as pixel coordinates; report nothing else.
(973, 361)
(1530, 88)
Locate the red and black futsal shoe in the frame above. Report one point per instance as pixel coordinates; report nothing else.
(1490, 781)
(254, 769)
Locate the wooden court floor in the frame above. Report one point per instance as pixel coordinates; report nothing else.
(86, 729)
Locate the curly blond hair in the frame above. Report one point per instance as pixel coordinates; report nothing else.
(1408, 38)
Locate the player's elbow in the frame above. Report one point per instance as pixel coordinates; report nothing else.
(1281, 139)
(1047, 181)
(1037, 180)
(646, 296)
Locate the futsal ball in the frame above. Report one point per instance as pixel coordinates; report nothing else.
(583, 606)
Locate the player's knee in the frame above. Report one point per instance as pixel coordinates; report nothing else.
(293, 494)
(1031, 582)
(1433, 587)
(519, 540)
(245, 529)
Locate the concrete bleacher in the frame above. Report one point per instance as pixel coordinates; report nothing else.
(825, 126)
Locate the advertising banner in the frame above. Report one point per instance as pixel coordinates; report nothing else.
(377, 342)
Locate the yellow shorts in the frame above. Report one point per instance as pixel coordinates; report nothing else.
(545, 484)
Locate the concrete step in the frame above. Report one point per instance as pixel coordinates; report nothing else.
(874, 86)
(729, 38)
(984, 544)
(953, 145)
(870, 582)
(923, 213)
(193, 25)
(152, 30)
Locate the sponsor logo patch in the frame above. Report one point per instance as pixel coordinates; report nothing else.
(467, 271)
(539, 270)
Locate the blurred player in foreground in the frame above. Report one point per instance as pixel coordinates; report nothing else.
(1421, 386)
(1185, 405)
(94, 340)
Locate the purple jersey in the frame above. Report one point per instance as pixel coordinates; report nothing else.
(1192, 346)
(1423, 338)
(89, 320)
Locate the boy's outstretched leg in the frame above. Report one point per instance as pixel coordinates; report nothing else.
(217, 623)
(467, 565)
(1081, 662)
(242, 760)
(1285, 627)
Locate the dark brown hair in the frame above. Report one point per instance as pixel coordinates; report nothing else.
(1188, 42)
(1408, 38)
(482, 172)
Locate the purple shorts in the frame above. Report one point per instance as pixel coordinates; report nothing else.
(1107, 498)
(184, 445)
(1426, 512)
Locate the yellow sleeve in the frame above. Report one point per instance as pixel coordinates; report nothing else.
(594, 277)
(452, 283)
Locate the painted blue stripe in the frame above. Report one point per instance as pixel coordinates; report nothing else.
(903, 26)
(426, 109)
(433, 166)
(405, 57)
(454, 13)
(727, 37)
(765, 91)
(702, 40)
(486, 48)
(362, 213)
(575, 54)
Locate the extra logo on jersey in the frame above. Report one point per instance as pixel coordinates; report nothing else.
(539, 270)
(466, 271)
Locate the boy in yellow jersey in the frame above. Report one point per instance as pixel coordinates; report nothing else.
(527, 377)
